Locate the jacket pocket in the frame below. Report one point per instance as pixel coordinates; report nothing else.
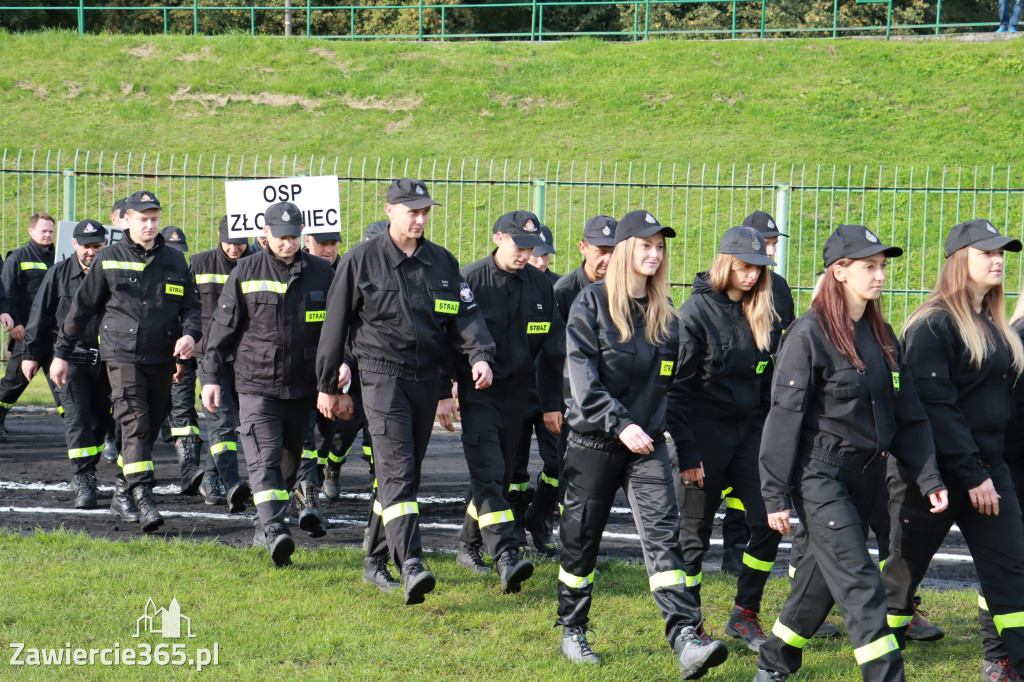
(380, 301)
(933, 383)
(790, 389)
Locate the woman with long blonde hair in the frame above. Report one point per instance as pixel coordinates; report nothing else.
(964, 359)
(726, 329)
(622, 351)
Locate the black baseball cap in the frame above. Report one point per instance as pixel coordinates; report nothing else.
(522, 226)
(89, 232)
(375, 228)
(411, 193)
(225, 234)
(855, 241)
(142, 201)
(600, 231)
(746, 244)
(118, 207)
(174, 237)
(549, 242)
(640, 224)
(763, 223)
(284, 220)
(321, 237)
(981, 234)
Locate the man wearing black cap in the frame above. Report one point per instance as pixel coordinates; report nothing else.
(267, 325)
(518, 304)
(150, 318)
(22, 275)
(324, 245)
(596, 248)
(393, 301)
(86, 396)
(211, 269)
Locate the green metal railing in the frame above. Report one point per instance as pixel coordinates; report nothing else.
(449, 28)
(909, 207)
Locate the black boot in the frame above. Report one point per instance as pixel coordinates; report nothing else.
(280, 544)
(519, 501)
(307, 502)
(538, 519)
(85, 486)
(512, 570)
(3, 418)
(332, 478)
(149, 517)
(418, 582)
(212, 489)
(375, 572)
(187, 448)
(238, 493)
(122, 503)
(110, 453)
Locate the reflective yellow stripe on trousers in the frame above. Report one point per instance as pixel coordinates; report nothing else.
(757, 564)
(666, 579)
(876, 649)
(898, 621)
(137, 468)
(75, 453)
(788, 636)
(177, 431)
(218, 448)
(270, 496)
(553, 482)
(484, 520)
(1008, 620)
(574, 581)
(399, 509)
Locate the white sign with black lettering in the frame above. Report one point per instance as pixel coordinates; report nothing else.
(317, 198)
(63, 248)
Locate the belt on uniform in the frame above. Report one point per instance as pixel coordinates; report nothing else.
(393, 369)
(836, 459)
(85, 356)
(608, 443)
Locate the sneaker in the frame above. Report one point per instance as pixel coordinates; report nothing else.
(827, 630)
(121, 503)
(696, 654)
(281, 546)
(731, 557)
(375, 572)
(418, 582)
(85, 487)
(212, 489)
(469, 556)
(745, 624)
(770, 676)
(332, 478)
(575, 646)
(920, 630)
(307, 501)
(998, 671)
(149, 516)
(513, 570)
(1001, 29)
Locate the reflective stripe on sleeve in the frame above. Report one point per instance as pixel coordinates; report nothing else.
(218, 448)
(666, 579)
(399, 509)
(574, 581)
(123, 265)
(75, 453)
(1008, 620)
(876, 649)
(757, 564)
(788, 636)
(898, 621)
(251, 286)
(211, 279)
(33, 265)
(137, 468)
(270, 496)
(553, 482)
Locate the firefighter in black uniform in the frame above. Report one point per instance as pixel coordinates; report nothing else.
(840, 403)
(150, 319)
(22, 275)
(86, 396)
(267, 325)
(393, 299)
(622, 351)
(963, 358)
(183, 420)
(518, 304)
(726, 329)
(210, 269)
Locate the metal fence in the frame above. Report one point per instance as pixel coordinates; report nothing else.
(909, 207)
(742, 18)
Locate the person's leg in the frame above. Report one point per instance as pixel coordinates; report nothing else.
(80, 426)
(759, 557)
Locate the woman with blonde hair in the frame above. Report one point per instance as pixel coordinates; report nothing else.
(726, 330)
(622, 351)
(964, 359)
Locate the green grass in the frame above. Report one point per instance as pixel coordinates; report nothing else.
(860, 102)
(318, 620)
(37, 393)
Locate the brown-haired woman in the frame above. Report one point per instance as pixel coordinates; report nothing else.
(838, 406)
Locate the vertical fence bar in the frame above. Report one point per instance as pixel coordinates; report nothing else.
(539, 194)
(195, 17)
(81, 17)
(68, 212)
(782, 197)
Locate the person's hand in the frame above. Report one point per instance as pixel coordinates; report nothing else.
(29, 368)
(344, 375)
(210, 396)
(985, 498)
(553, 422)
(345, 409)
(59, 372)
(18, 333)
(184, 347)
(482, 375)
(447, 413)
(634, 438)
(695, 475)
(328, 404)
(179, 372)
(7, 321)
(939, 500)
(779, 521)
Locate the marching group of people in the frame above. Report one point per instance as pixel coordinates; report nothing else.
(828, 414)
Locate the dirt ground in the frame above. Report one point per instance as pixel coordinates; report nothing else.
(34, 493)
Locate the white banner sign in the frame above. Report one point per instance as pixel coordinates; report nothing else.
(317, 198)
(63, 248)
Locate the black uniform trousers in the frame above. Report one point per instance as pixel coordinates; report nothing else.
(183, 418)
(310, 466)
(729, 450)
(14, 383)
(85, 398)
(141, 396)
(492, 420)
(592, 477)
(547, 448)
(996, 544)
(221, 427)
(400, 416)
(272, 431)
(834, 504)
(992, 643)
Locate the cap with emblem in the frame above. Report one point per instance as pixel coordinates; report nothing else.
(174, 237)
(375, 228)
(284, 220)
(763, 223)
(746, 244)
(549, 242)
(982, 235)
(855, 241)
(522, 226)
(640, 224)
(225, 234)
(142, 201)
(600, 231)
(411, 193)
(321, 237)
(89, 232)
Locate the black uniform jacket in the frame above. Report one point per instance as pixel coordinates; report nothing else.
(528, 330)
(553, 277)
(22, 275)
(210, 270)
(611, 384)
(782, 299)
(725, 375)
(569, 287)
(823, 407)
(268, 323)
(4, 303)
(52, 304)
(968, 407)
(146, 300)
(393, 311)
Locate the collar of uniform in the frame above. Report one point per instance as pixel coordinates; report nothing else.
(298, 264)
(39, 248)
(137, 248)
(224, 257)
(395, 255)
(493, 265)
